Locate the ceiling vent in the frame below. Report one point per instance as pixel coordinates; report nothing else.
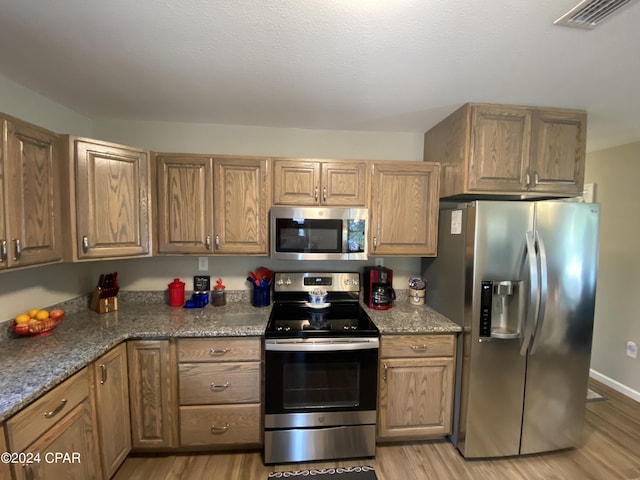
(591, 13)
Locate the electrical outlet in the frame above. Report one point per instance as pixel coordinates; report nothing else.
(632, 349)
(203, 264)
(379, 262)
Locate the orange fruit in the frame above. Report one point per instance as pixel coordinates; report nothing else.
(23, 318)
(42, 315)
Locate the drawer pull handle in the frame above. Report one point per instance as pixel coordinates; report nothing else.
(220, 351)
(104, 374)
(419, 348)
(218, 430)
(56, 410)
(216, 387)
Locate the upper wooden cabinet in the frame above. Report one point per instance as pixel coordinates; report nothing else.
(212, 205)
(30, 224)
(320, 182)
(404, 209)
(109, 195)
(505, 149)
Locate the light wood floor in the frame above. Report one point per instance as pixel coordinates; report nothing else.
(611, 451)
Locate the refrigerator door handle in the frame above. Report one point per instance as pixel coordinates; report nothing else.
(531, 314)
(542, 256)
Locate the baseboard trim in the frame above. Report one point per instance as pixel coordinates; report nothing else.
(617, 386)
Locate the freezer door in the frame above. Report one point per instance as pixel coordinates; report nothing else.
(560, 351)
(493, 370)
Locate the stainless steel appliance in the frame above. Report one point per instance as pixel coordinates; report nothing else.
(520, 278)
(378, 290)
(320, 371)
(316, 233)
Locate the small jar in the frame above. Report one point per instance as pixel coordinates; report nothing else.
(218, 296)
(201, 299)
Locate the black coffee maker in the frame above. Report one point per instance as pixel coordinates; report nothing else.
(378, 292)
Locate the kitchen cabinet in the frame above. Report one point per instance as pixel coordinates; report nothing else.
(212, 205)
(30, 222)
(5, 470)
(108, 200)
(111, 391)
(404, 209)
(220, 392)
(506, 149)
(416, 378)
(152, 394)
(320, 182)
(58, 422)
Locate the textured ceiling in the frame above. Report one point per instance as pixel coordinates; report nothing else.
(394, 65)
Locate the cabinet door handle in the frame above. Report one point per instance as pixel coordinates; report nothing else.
(216, 387)
(384, 372)
(85, 243)
(218, 351)
(217, 430)
(536, 179)
(103, 374)
(3, 250)
(28, 472)
(56, 410)
(217, 242)
(17, 249)
(375, 243)
(527, 180)
(315, 194)
(324, 194)
(207, 242)
(418, 348)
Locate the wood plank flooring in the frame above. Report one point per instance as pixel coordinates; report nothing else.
(611, 451)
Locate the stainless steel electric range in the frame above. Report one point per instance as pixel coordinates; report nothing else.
(320, 371)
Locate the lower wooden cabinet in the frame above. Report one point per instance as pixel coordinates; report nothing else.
(220, 391)
(57, 430)
(152, 394)
(415, 399)
(111, 393)
(5, 470)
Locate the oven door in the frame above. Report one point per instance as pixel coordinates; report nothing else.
(320, 382)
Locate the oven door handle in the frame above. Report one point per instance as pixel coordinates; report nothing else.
(321, 345)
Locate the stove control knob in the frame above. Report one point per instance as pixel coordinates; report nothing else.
(347, 281)
(355, 282)
(288, 281)
(280, 282)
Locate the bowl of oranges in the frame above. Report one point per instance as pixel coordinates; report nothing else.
(37, 322)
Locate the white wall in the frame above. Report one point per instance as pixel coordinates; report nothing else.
(41, 286)
(615, 173)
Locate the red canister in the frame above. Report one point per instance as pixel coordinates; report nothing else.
(176, 293)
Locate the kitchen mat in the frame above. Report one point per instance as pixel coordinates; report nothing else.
(339, 473)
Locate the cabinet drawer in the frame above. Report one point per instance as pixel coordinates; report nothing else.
(31, 422)
(221, 349)
(220, 425)
(417, 346)
(213, 383)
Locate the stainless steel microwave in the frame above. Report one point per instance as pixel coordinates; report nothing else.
(317, 233)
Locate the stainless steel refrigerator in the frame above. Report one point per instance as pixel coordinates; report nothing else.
(520, 278)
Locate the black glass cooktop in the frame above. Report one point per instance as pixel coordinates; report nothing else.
(289, 320)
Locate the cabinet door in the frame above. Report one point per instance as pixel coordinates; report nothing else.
(112, 408)
(72, 438)
(152, 393)
(112, 200)
(241, 197)
(344, 184)
(558, 151)
(415, 398)
(296, 182)
(4, 240)
(499, 149)
(185, 204)
(32, 180)
(404, 208)
(5, 471)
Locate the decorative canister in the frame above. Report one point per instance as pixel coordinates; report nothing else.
(176, 293)
(417, 290)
